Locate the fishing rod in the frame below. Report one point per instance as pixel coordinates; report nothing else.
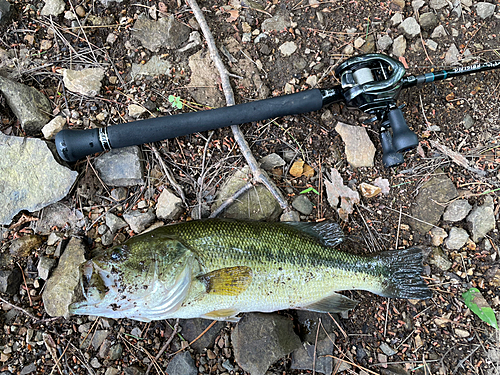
(369, 82)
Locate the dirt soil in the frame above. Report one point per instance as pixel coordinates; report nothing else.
(424, 345)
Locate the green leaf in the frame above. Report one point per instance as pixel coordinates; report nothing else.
(171, 98)
(178, 104)
(310, 188)
(478, 305)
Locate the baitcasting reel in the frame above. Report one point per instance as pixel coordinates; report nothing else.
(370, 82)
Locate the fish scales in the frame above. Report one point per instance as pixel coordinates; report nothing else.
(219, 268)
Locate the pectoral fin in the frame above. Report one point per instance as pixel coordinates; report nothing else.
(229, 281)
(223, 314)
(333, 303)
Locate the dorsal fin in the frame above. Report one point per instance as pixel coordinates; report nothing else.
(327, 232)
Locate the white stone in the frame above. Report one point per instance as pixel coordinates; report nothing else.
(53, 127)
(135, 110)
(288, 48)
(53, 8)
(86, 82)
(169, 206)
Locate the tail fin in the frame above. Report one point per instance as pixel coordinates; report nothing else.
(403, 269)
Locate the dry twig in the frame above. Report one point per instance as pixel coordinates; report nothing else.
(257, 173)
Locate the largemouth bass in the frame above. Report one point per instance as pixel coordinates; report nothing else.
(219, 268)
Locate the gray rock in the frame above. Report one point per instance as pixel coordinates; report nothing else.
(138, 221)
(277, 23)
(191, 329)
(457, 238)
(194, 41)
(169, 206)
(452, 55)
(10, 280)
(63, 287)
(53, 8)
(384, 42)
(154, 67)
(255, 204)
(45, 265)
(428, 206)
(457, 9)
(303, 205)
(271, 161)
(28, 369)
(397, 19)
(53, 127)
(359, 149)
(5, 12)
(203, 76)
(388, 351)
(288, 48)
(133, 370)
(290, 216)
(439, 32)
(439, 259)
(485, 10)
(114, 222)
(107, 2)
(482, 219)
(115, 352)
(167, 32)
(98, 338)
(410, 27)
(468, 121)
(261, 339)
(30, 177)
(308, 322)
(432, 45)
(119, 194)
(438, 235)
(182, 364)
(457, 210)
(438, 4)
(121, 166)
(399, 46)
(29, 105)
(58, 215)
(416, 5)
(86, 81)
(428, 20)
(317, 356)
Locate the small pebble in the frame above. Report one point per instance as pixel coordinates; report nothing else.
(80, 11)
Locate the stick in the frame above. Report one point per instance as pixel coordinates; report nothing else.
(228, 93)
(457, 158)
(164, 347)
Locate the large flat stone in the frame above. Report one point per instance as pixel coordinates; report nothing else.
(30, 177)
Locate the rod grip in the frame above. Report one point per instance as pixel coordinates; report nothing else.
(75, 144)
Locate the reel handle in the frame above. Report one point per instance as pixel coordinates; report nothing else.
(403, 139)
(390, 158)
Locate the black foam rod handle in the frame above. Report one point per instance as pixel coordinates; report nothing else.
(76, 144)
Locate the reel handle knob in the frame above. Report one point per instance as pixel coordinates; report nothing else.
(403, 139)
(390, 158)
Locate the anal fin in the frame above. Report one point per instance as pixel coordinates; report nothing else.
(228, 315)
(333, 303)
